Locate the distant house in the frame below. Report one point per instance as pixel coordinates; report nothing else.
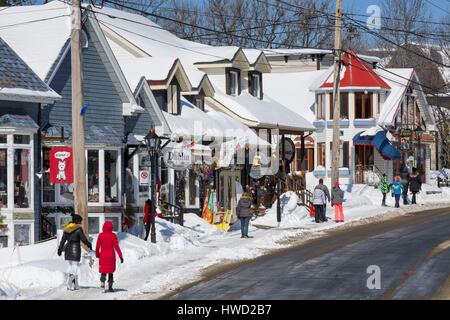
(22, 95)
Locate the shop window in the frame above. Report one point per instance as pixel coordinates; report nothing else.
(111, 176)
(94, 225)
(344, 106)
(3, 138)
(115, 221)
(48, 188)
(364, 155)
(363, 105)
(22, 234)
(3, 178)
(3, 241)
(93, 176)
(130, 181)
(22, 181)
(64, 220)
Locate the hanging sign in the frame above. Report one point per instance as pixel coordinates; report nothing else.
(178, 158)
(61, 165)
(144, 177)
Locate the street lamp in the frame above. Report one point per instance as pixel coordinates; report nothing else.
(154, 149)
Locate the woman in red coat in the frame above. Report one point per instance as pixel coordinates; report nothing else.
(106, 248)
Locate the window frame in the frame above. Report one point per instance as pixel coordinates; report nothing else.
(344, 96)
(320, 113)
(321, 154)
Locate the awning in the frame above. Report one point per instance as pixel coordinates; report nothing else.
(380, 142)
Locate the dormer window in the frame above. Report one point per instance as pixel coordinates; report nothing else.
(233, 81)
(255, 84)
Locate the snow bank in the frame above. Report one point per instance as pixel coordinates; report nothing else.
(292, 215)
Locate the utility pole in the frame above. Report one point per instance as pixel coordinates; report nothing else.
(79, 160)
(336, 96)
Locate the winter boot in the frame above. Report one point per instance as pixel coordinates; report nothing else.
(76, 286)
(102, 284)
(70, 282)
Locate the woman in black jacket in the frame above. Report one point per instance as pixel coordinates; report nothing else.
(73, 235)
(415, 184)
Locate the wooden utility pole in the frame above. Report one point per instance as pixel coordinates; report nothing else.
(79, 160)
(336, 96)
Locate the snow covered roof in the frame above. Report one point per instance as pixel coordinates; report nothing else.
(294, 52)
(36, 33)
(18, 82)
(17, 121)
(292, 90)
(355, 73)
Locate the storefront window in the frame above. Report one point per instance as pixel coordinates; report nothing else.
(22, 185)
(21, 139)
(64, 220)
(3, 179)
(66, 193)
(93, 176)
(3, 138)
(111, 176)
(22, 234)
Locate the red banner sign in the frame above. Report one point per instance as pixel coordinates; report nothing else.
(61, 165)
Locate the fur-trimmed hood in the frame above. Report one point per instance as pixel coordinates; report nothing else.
(71, 227)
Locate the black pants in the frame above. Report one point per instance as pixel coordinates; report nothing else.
(413, 201)
(405, 196)
(383, 203)
(318, 210)
(110, 277)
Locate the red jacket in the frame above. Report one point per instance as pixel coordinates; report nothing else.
(106, 248)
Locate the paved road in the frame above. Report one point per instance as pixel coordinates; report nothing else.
(411, 252)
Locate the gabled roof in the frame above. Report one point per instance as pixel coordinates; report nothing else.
(355, 74)
(18, 82)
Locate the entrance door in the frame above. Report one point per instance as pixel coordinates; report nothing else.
(364, 161)
(228, 192)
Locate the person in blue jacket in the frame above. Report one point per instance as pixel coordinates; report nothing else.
(397, 190)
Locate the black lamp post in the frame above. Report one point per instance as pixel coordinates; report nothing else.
(154, 150)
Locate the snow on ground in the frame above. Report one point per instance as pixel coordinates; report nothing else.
(181, 254)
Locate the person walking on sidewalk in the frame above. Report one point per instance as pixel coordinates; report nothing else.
(73, 235)
(105, 249)
(397, 191)
(319, 201)
(415, 184)
(324, 188)
(384, 188)
(337, 197)
(244, 212)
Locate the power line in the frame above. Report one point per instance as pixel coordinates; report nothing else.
(32, 21)
(436, 6)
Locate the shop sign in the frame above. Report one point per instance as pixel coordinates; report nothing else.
(178, 157)
(289, 149)
(61, 165)
(405, 140)
(144, 177)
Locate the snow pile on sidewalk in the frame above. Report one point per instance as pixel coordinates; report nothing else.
(292, 215)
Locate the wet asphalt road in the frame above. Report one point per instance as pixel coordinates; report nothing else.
(411, 252)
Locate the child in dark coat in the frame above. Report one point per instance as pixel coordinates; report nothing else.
(106, 248)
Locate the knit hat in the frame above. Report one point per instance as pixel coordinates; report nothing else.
(397, 178)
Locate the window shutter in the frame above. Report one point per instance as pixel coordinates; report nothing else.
(227, 81)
